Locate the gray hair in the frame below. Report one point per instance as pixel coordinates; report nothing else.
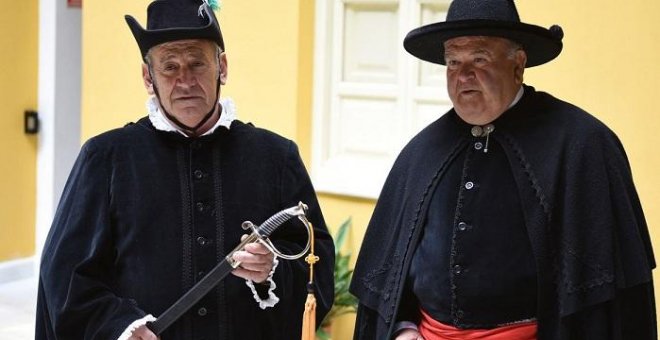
(513, 48)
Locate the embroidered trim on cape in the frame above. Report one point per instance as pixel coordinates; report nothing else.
(161, 123)
(135, 325)
(272, 299)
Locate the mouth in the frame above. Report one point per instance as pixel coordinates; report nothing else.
(469, 94)
(468, 91)
(186, 98)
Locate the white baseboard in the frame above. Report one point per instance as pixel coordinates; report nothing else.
(17, 269)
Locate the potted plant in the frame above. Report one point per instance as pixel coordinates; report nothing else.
(344, 302)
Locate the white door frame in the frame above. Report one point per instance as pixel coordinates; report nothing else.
(59, 119)
(60, 59)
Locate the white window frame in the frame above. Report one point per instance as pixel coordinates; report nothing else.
(362, 175)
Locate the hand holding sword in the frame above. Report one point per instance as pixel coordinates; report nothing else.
(256, 262)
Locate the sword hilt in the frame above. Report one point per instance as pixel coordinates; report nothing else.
(262, 232)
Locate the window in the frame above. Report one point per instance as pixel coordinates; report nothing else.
(370, 95)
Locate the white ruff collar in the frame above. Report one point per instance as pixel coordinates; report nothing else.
(160, 122)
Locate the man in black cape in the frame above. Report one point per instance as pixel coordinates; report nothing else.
(150, 208)
(514, 215)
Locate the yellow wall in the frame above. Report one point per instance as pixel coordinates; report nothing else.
(112, 91)
(18, 92)
(336, 209)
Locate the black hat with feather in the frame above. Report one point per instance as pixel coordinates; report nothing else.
(170, 20)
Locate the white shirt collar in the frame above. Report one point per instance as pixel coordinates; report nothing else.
(517, 98)
(160, 122)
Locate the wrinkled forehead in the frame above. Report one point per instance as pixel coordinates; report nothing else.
(476, 42)
(195, 47)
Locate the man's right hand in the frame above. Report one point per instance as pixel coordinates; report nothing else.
(143, 333)
(409, 334)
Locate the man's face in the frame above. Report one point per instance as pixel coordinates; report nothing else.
(483, 76)
(186, 73)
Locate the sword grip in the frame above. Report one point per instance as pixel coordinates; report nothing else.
(273, 222)
(268, 227)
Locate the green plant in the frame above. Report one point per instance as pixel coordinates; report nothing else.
(344, 302)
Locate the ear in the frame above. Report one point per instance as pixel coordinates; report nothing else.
(521, 61)
(146, 77)
(223, 68)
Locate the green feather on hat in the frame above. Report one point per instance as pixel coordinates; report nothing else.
(214, 4)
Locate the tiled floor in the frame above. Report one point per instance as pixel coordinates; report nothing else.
(17, 308)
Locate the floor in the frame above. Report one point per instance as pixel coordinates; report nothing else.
(17, 309)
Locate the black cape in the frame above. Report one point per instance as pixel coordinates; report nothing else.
(146, 213)
(587, 230)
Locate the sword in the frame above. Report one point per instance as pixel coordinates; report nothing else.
(259, 234)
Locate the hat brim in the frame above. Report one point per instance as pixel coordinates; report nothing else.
(427, 42)
(147, 39)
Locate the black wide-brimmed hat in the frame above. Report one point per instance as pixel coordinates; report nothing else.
(170, 20)
(497, 18)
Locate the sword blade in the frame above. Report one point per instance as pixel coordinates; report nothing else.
(190, 298)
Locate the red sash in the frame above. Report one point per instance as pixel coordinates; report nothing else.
(431, 329)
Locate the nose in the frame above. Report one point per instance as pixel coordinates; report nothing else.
(466, 72)
(186, 78)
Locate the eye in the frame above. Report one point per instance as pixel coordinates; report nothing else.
(198, 66)
(480, 60)
(169, 67)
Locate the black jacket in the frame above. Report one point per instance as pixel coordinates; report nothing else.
(582, 213)
(145, 214)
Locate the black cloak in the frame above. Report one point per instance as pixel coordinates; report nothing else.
(586, 226)
(146, 213)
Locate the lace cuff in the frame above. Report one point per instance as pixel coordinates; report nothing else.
(133, 326)
(272, 299)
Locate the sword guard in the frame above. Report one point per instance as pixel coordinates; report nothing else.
(248, 225)
(260, 233)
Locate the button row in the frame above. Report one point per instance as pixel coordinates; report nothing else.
(200, 206)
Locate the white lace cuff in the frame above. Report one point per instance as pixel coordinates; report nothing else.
(272, 300)
(133, 326)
